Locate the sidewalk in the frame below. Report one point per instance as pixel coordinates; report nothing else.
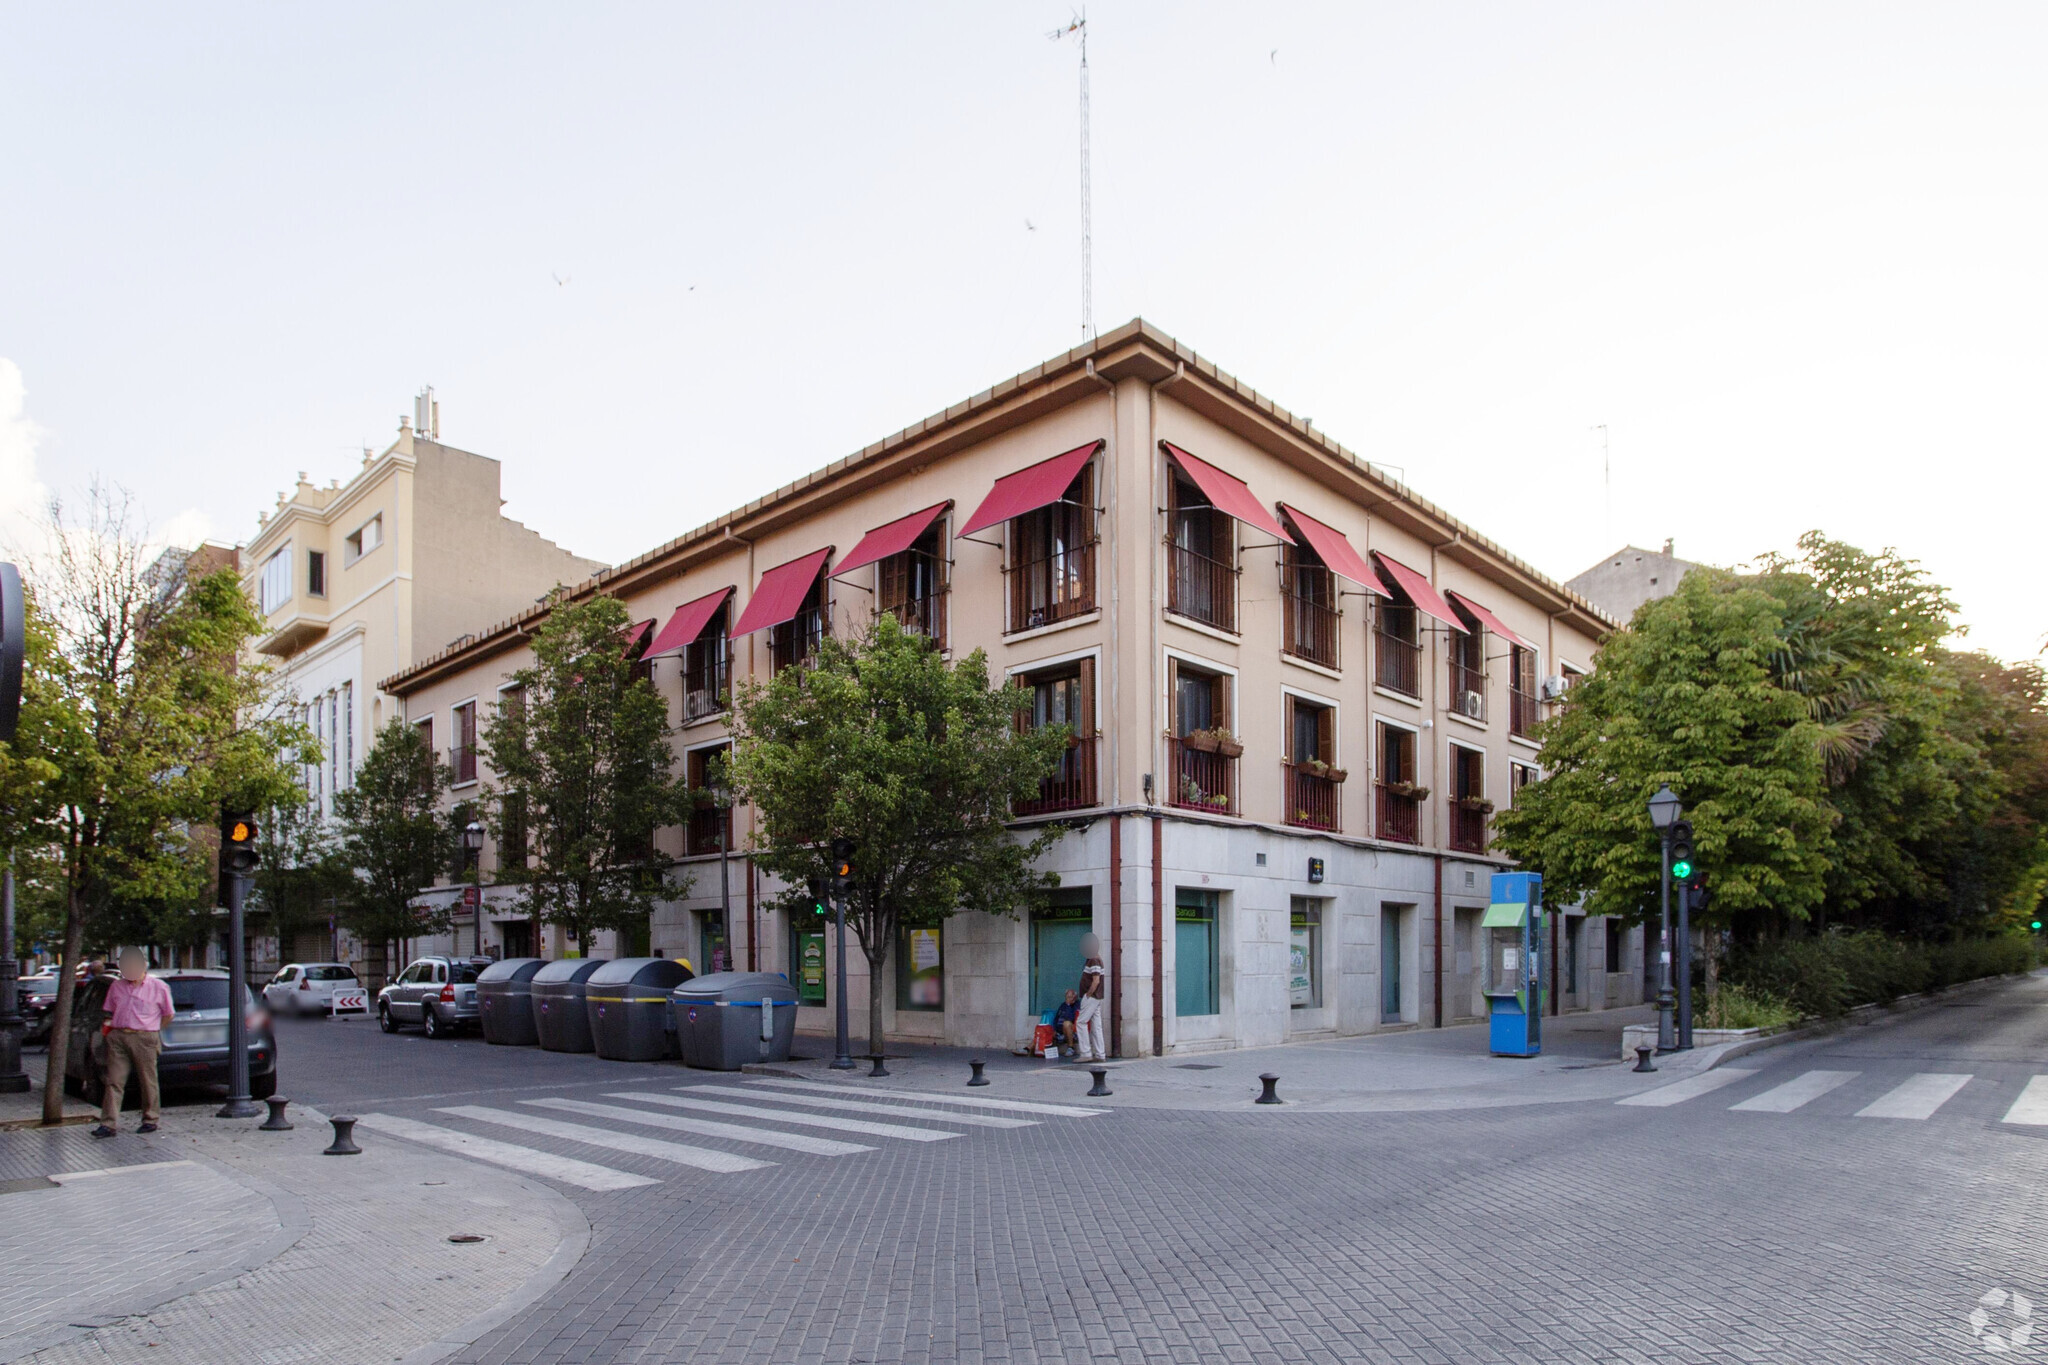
(253, 1246)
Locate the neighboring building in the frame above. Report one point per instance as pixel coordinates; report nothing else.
(1628, 578)
(358, 581)
(1180, 568)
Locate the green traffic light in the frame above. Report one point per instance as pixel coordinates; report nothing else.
(1681, 869)
(2037, 926)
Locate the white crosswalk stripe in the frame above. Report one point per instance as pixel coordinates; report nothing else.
(568, 1170)
(1915, 1098)
(1068, 1111)
(868, 1107)
(703, 1158)
(892, 1130)
(676, 1123)
(2031, 1107)
(1689, 1089)
(1801, 1090)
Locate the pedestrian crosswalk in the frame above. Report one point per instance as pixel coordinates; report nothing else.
(749, 1127)
(1916, 1098)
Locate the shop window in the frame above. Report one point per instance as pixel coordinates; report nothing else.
(1196, 988)
(920, 968)
(1057, 929)
(1305, 954)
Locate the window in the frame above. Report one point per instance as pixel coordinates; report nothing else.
(511, 801)
(467, 859)
(1467, 652)
(1305, 954)
(348, 734)
(1522, 694)
(1310, 778)
(1204, 752)
(1052, 558)
(1201, 551)
(1616, 931)
(920, 969)
(1395, 791)
(706, 832)
(1194, 952)
(332, 742)
(912, 586)
(425, 729)
(1308, 596)
(365, 538)
(1574, 926)
(1393, 919)
(795, 641)
(1399, 652)
(316, 573)
(462, 754)
(1520, 775)
(707, 667)
(274, 587)
(1057, 929)
(1469, 806)
(1063, 695)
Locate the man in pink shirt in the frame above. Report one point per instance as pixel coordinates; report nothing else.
(139, 1005)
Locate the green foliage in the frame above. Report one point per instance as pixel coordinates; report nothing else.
(1825, 975)
(393, 838)
(299, 877)
(585, 773)
(1736, 1007)
(914, 759)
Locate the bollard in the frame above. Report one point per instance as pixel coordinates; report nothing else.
(979, 1079)
(879, 1070)
(277, 1122)
(1643, 1051)
(344, 1137)
(1101, 1075)
(1269, 1095)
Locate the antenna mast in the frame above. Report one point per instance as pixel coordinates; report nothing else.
(1078, 26)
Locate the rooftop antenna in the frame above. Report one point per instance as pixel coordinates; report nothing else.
(426, 414)
(1078, 26)
(1606, 478)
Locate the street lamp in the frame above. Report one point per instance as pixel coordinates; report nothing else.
(1665, 809)
(473, 841)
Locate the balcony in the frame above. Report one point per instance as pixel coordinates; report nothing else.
(1071, 786)
(706, 679)
(1056, 588)
(1522, 712)
(1314, 796)
(1311, 627)
(705, 832)
(1468, 691)
(1399, 665)
(924, 616)
(1399, 812)
(1200, 588)
(795, 642)
(461, 764)
(1201, 779)
(296, 629)
(1468, 826)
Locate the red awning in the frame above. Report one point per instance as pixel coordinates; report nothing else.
(1335, 551)
(1229, 493)
(892, 539)
(636, 635)
(1029, 488)
(1420, 595)
(780, 593)
(688, 622)
(1488, 619)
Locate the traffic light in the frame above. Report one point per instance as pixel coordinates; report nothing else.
(820, 906)
(238, 842)
(842, 863)
(1681, 850)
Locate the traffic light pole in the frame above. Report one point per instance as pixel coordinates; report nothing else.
(239, 1105)
(843, 1061)
(1667, 1040)
(1684, 965)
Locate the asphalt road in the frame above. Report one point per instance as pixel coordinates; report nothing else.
(1850, 1198)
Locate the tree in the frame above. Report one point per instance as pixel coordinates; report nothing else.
(393, 838)
(1686, 697)
(584, 775)
(915, 760)
(29, 791)
(299, 879)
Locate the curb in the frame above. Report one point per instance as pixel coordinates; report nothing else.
(1863, 1016)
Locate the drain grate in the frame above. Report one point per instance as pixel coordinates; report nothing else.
(1199, 1066)
(468, 1238)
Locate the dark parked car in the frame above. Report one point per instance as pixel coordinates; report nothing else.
(437, 993)
(195, 1045)
(38, 997)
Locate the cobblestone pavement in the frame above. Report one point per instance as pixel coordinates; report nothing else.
(1824, 1200)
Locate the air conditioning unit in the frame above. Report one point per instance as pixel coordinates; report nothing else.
(1553, 687)
(1471, 705)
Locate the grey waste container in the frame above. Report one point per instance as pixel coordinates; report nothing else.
(727, 1019)
(504, 997)
(628, 1005)
(558, 1014)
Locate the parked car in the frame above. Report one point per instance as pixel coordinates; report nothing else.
(38, 998)
(195, 1043)
(308, 987)
(437, 993)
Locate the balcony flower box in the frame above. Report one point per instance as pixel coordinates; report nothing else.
(1408, 789)
(1216, 741)
(1317, 768)
(1476, 803)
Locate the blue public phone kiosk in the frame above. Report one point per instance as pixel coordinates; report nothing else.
(1514, 965)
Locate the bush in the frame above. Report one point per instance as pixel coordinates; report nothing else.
(1736, 1007)
(1835, 972)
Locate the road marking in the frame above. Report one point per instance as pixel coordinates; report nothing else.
(2032, 1106)
(675, 1123)
(1689, 1089)
(568, 1170)
(1783, 1099)
(863, 1107)
(1065, 1111)
(703, 1158)
(1918, 1097)
(893, 1130)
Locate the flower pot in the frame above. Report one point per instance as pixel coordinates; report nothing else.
(1200, 742)
(1230, 748)
(1335, 774)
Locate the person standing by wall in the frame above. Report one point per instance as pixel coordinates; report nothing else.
(138, 1006)
(1088, 1022)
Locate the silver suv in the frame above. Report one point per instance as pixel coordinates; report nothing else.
(437, 993)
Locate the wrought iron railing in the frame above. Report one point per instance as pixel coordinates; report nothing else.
(1201, 780)
(1201, 588)
(796, 640)
(1071, 785)
(1468, 829)
(1398, 667)
(1311, 621)
(1468, 691)
(1523, 712)
(706, 829)
(707, 676)
(1398, 815)
(1055, 588)
(1314, 800)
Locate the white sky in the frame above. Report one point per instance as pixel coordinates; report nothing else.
(1791, 254)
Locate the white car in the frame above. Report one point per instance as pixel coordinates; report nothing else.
(309, 987)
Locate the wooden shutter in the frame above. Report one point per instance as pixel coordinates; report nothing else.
(1086, 727)
(1326, 734)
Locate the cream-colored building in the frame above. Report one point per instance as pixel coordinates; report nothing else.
(359, 580)
(1299, 690)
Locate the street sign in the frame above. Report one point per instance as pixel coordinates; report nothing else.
(356, 1001)
(472, 897)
